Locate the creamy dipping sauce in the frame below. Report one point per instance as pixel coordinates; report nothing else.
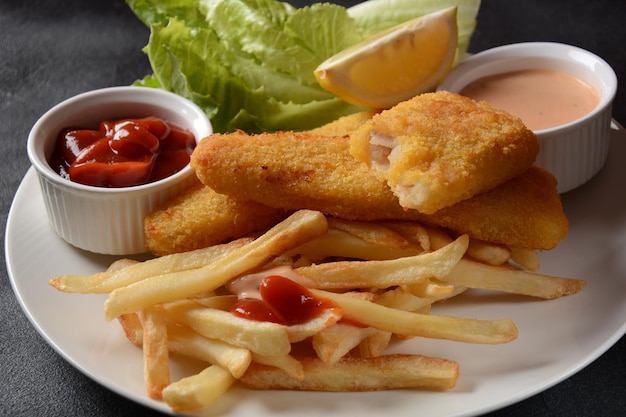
(541, 98)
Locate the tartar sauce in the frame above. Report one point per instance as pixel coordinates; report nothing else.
(541, 98)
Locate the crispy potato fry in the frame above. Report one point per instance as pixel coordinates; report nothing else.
(387, 273)
(339, 243)
(129, 271)
(434, 291)
(370, 232)
(155, 352)
(220, 302)
(121, 264)
(187, 342)
(375, 344)
(359, 374)
(401, 299)
(299, 332)
(184, 341)
(411, 231)
(489, 253)
(265, 338)
(477, 275)
(181, 304)
(301, 226)
(131, 325)
(334, 342)
(290, 365)
(438, 237)
(423, 325)
(199, 390)
(526, 258)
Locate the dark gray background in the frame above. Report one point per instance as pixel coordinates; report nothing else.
(53, 49)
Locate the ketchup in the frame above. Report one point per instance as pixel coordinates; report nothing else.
(283, 301)
(122, 153)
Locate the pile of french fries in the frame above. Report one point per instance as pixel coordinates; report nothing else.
(382, 276)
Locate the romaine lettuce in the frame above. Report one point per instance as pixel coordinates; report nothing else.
(249, 63)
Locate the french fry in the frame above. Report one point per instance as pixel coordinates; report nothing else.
(265, 338)
(120, 264)
(434, 291)
(387, 273)
(526, 258)
(299, 332)
(489, 253)
(199, 390)
(187, 342)
(155, 352)
(184, 341)
(411, 231)
(334, 342)
(287, 363)
(375, 344)
(401, 299)
(359, 374)
(438, 237)
(132, 271)
(298, 228)
(423, 325)
(131, 325)
(370, 232)
(180, 304)
(477, 275)
(220, 302)
(339, 243)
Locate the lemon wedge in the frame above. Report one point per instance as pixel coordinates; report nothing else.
(394, 65)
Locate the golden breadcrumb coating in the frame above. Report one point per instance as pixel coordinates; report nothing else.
(300, 170)
(525, 212)
(200, 217)
(293, 170)
(440, 148)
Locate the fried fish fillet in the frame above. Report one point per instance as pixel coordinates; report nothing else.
(441, 148)
(525, 212)
(294, 170)
(291, 171)
(200, 217)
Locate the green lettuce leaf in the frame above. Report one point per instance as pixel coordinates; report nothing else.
(159, 11)
(249, 63)
(233, 90)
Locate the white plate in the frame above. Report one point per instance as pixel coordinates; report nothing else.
(556, 338)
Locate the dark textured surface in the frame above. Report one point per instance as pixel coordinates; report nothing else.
(53, 49)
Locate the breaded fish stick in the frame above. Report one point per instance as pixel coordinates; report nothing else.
(441, 148)
(200, 217)
(525, 212)
(294, 169)
(302, 170)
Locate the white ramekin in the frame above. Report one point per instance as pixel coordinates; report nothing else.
(108, 220)
(573, 152)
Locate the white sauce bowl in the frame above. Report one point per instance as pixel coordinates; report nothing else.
(574, 152)
(108, 220)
